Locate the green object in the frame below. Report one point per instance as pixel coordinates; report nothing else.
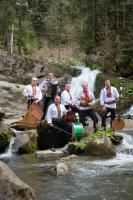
(77, 130)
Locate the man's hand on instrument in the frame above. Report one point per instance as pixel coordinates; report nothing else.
(50, 124)
(30, 95)
(45, 89)
(104, 109)
(36, 101)
(90, 104)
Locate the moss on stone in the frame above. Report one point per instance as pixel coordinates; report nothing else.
(30, 147)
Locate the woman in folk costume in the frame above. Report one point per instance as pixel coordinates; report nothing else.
(32, 92)
(86, 101)
(108, 98)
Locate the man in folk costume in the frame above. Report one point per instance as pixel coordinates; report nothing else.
(49, 88)
(54, 118)
(108, 98)
(86, 101)
(67, 98)
(32, 92)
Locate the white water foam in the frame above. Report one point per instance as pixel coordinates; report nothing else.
(9, 151)
(86, 75)
(129, 111)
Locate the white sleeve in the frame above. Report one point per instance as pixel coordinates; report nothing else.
(102, 97)
(93, 98)
(39, 94)
(64, 98)
(42, 85)
(48, 116)
(25, 92)
(116, 93)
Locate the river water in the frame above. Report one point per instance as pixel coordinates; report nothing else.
(90, 178)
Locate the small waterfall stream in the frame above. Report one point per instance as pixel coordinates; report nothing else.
(93, 178)
(9, 151)
(86, 75)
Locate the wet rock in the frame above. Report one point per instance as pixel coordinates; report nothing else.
(73, 148)
(101, 147)
(26, 142)
(5, 134)
(117, 139)
(44, 135)
(49, 154)
(11, 187)
(62, 168)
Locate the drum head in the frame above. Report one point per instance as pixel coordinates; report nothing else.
(118, 124)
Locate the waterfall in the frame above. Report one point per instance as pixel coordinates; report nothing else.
(127, 144)
(129, 111)
(86, 75)
(9, 152)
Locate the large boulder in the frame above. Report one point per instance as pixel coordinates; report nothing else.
(11, 187)
(5, 133)
(26, 141)
(100, 147)
(44, 136)
(96, 147)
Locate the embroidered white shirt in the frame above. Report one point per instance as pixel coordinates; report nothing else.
(81, 94)
(104, 98)
(67, 98)
(28, 91)
(53, 113)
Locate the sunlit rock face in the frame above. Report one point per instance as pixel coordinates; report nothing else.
(11, 187)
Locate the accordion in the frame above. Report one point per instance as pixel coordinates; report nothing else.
(51, 90)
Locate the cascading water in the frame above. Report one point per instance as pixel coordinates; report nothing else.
(129, 111)
(8, 153)
(93, 178)
(86, 75)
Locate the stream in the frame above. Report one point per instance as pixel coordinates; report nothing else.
(92, 178)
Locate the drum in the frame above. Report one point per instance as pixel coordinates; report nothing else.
(77, 130)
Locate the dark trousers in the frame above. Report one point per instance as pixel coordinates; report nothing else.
(73, 108)
(30, 101)
(104, 116)
(54, 131)
(47, 102)
(89, 113)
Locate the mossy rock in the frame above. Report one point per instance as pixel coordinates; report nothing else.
(30, 147)
(102, 148)
(4, 142)
(44, 136)
(76, 148)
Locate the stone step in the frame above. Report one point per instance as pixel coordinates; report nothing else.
(49, 154)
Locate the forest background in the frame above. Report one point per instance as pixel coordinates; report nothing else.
(96, 32)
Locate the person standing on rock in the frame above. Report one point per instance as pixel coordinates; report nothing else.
(49, 88)
(54, 118)
(32, 92)
(86, 101)
(108, 98)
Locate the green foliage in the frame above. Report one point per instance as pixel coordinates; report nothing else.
(80, 147)
(100, 134)
(104, 26)
(128, 89)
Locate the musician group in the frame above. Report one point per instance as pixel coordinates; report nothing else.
(59, 106)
